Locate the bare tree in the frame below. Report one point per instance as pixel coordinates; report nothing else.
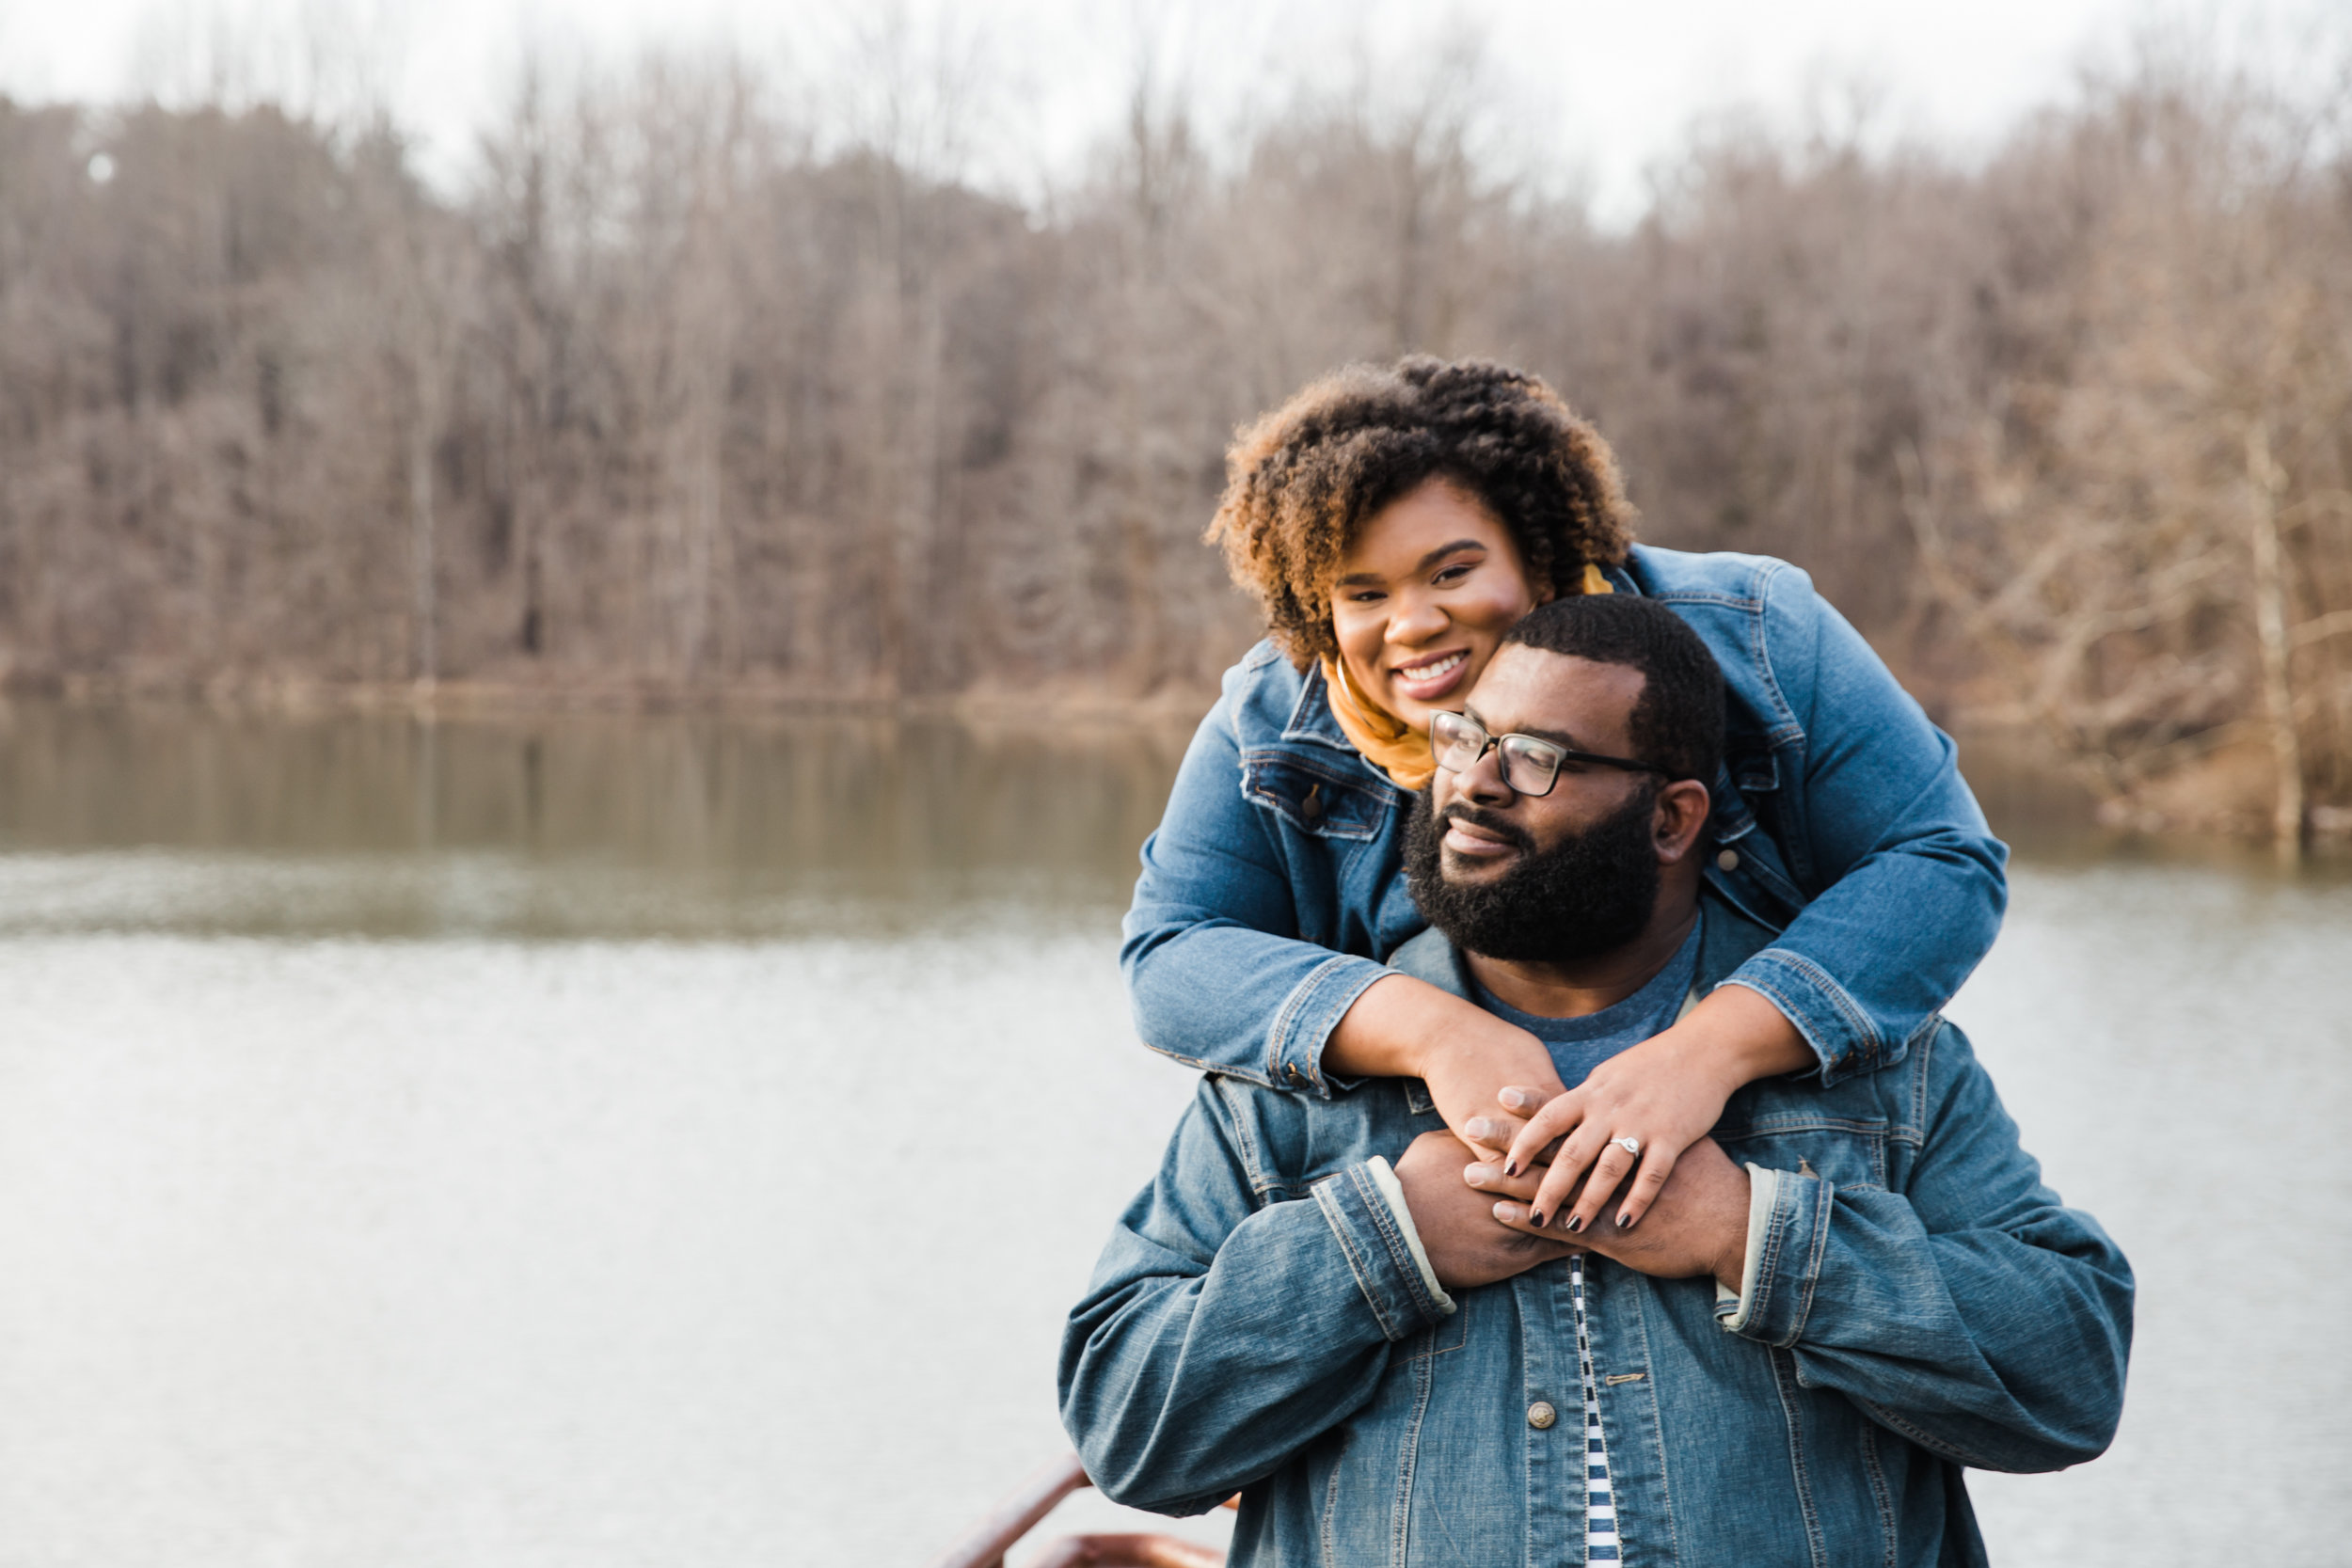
(716, 383)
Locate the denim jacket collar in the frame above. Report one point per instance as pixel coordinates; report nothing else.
(1311, 720)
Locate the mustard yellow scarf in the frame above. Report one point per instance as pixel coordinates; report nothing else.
(1397, 748)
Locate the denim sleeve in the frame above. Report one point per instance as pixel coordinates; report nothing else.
(1215, 972)
(1970, 1312)
(1219, 1337)
(1911, 879)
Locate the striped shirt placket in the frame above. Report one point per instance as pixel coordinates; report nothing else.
(1600, 1508)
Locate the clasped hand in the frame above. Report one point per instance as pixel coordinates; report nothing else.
(1496, 1088)
(1475, 1227)
(1664, 1092)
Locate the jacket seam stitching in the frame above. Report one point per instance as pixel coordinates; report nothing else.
(1296, 728)
(1358, 776)
(1923, 1064)
(1815, 1253)
(1864, 1028)
(1401, 1506)
(1384, 1226)
(1215, 1069)
(1657, 1445)
(1522, 1286)
(1327, 1198)
(1880, 1496)
(1787, 727)
(1877, 1128)
(1784, 1373)
(1292, 1005)
(1767, 1271)
(1707, 596)
(1331, 1504)
(1245, 1138)
(1926, 1440)
(1350, 833)
(1791, 1010)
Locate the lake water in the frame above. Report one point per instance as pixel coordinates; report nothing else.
(594, 1141)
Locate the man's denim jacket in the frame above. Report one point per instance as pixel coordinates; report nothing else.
(1274, 891)
(1918, 1302)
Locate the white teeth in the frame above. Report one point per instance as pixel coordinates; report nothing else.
(1431, 672)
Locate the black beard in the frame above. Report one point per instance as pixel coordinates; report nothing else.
(1589, 894)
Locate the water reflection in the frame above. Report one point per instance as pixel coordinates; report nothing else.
(578, 826)
(537, 1235)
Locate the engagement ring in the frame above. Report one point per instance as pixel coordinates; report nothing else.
(1630, 1144)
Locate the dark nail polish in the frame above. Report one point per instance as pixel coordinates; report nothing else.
(1625, 1222)
(1537, 1219)
(1575, 1222)
(1510, 1167)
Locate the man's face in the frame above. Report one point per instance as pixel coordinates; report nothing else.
(1555, 877)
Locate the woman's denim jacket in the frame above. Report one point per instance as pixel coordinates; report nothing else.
(1920, 1302)
(1273, 890)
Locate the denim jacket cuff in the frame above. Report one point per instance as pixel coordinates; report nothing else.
(1732, 1306)
(1385, 1179)
(1784, 1261)
(1294, 1053)
(1842, 1035)
(1385, 1256)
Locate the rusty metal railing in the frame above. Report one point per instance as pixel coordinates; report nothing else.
(985, 1544)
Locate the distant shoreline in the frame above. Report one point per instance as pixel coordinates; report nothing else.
(2015, 775)
(299, 697)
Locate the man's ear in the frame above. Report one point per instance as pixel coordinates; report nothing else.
(1679, 819)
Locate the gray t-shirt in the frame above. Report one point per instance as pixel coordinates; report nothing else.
(1578, 1045)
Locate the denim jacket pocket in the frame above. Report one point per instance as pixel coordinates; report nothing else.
(1315, 797)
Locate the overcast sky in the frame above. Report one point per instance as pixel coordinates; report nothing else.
(1595, 92)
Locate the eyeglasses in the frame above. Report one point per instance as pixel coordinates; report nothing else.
(1530, 766)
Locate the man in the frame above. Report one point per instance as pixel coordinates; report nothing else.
(1837, 1302)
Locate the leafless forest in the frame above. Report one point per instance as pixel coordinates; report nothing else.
(688, 393)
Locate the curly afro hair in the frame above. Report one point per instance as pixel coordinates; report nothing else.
(1301, 481)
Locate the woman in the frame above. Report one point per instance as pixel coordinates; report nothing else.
(1393, 522)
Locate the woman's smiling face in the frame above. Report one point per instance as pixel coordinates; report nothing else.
(1424, 596)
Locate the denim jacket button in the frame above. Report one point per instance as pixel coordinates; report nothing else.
(1729, 859)
(1541, 1415)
